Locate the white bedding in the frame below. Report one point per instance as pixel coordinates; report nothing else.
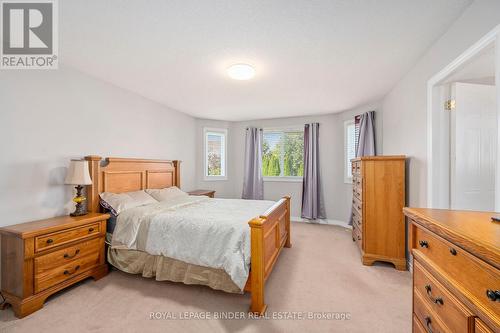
(195, 229)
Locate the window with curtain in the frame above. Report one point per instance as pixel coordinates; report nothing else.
(283, 154)
(351, 132)
(215, 142)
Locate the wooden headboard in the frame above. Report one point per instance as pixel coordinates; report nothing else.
(119, 175)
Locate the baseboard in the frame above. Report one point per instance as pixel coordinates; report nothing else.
(322, 221)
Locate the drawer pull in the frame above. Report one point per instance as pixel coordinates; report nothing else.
(91, 229)
(50, 241)
(493, 295)
(453, 252)
(428, 323)
(423, 243)
(67, 256)
(66, 272)
(436, 300)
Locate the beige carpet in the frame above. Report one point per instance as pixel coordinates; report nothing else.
(320, 274)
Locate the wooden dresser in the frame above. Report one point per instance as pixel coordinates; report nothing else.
(456, 270)
(42, 257)
(377, 209)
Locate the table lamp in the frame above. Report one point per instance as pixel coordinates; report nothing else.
(78, 174)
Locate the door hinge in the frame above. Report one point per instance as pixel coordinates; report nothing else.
(449, 105)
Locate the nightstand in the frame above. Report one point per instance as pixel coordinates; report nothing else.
(42, 257)
(208, 193)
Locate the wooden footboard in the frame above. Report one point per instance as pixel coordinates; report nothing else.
(270, 232)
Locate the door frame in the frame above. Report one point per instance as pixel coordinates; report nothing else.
(438, 188)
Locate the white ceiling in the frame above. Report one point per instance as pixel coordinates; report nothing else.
(311, 57)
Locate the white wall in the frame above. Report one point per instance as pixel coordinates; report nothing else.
(405, 121)
(49, 117)
(337, 194)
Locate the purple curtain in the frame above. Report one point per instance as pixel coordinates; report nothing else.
(312, 196)
(366, 139)
(253, 183)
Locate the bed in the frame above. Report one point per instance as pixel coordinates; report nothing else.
(268, 231)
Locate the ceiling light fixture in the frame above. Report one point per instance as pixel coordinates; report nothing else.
(241, 72)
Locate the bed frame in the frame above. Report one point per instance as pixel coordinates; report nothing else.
(269, 232)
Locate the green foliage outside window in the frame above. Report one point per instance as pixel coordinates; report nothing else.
(214, 164)
(283, 154)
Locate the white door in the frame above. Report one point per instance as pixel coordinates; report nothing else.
(473, 147)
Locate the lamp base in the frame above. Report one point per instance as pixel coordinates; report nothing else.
(80, 208)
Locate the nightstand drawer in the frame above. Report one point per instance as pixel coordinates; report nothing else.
(65, 271)
(62, 237)
(52, 260)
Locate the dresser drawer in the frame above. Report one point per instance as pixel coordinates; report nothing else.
(481, 327)
(417, 325)
(473, 275)
(52, 260)
(453, 313)
(64, 272)
(357, 188)
(357, 205)
(356, 218)
(62, 237)
(426, 316)
(357, 236)
(357, 167)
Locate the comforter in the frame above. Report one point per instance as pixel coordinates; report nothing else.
(195, 229)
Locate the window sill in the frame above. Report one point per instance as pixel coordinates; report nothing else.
(283, 179)
(214, 179)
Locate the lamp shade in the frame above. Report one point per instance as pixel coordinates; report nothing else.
(78, 173)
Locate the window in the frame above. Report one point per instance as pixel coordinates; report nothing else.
(350, 145)
(215, 153)
(283, 154)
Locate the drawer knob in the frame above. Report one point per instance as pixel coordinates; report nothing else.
(91, 229)
(428, 323)
(436, 300)
(359, 238)
(50, 241)
(67, 256)
(453, 252)
(493, 295)
(423, 243)
(66, 272)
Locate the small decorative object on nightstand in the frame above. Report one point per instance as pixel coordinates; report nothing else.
(78, 174)
(208, 193)
(42, 257)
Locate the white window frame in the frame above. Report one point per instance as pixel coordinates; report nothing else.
(347, 166)
(292, 179)
(219, 131)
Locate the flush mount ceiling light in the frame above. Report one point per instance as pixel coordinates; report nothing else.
(241, 72)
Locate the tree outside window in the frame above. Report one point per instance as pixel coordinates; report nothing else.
(283, 153)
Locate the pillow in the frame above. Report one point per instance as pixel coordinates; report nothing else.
(168, 193)
(107, 208)
(121, 201)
